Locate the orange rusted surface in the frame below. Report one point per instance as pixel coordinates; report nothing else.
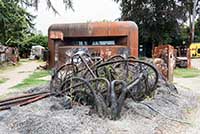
(164, 59)
(103, 39)
(189, 59)
(56, 35)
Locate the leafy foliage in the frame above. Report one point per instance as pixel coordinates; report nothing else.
(33, 40)
(158, 21)
(34, 3)
(188, 8)
(36, 40)
(15, 22)
(197, 31)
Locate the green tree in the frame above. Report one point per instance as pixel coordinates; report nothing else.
(32, 40)
(37, 39)
(158, 20)
(197, 31)
(34, 3)
(15, 22)
(192, 9)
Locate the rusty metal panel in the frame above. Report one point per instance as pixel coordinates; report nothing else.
(56, 35)
(94, 29)
(189, 59)
(126, 30)
(164, 59)
(106, 52)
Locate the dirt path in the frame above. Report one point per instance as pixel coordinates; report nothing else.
(195, 63)
(17, 75)
(193, 86)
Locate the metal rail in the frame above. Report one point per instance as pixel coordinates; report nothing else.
(22, 100)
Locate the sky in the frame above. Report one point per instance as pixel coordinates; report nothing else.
(84, 11)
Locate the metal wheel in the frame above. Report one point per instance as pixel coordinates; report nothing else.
(64, 72)
(131, 71)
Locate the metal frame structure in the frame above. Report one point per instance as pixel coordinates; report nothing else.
(64, 40)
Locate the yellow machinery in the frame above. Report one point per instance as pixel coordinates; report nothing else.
(195, 50)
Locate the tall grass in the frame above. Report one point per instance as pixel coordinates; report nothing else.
(34, 80)
(186, 73)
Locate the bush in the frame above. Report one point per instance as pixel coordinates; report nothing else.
(26, 45)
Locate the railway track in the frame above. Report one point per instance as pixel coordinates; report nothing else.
(22, 100)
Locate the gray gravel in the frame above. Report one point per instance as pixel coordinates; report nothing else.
(167, 116)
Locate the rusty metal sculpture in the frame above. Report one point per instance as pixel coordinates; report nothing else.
(103, 84)
(164, 60)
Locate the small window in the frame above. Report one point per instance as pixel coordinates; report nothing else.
(95, 41)
(198, 51)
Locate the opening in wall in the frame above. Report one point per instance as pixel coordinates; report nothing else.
(96, 41)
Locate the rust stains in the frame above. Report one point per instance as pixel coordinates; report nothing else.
(103, 39)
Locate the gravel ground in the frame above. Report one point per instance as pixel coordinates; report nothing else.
(166, 113)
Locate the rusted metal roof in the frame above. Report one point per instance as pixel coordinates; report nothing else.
(94, 29)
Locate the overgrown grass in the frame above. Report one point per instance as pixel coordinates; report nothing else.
(186, 73)
(3, 80)
(33, 80)
(24, 60)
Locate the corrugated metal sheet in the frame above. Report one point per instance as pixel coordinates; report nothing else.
(95, 29)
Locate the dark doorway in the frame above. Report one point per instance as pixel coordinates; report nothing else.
(148, 50)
